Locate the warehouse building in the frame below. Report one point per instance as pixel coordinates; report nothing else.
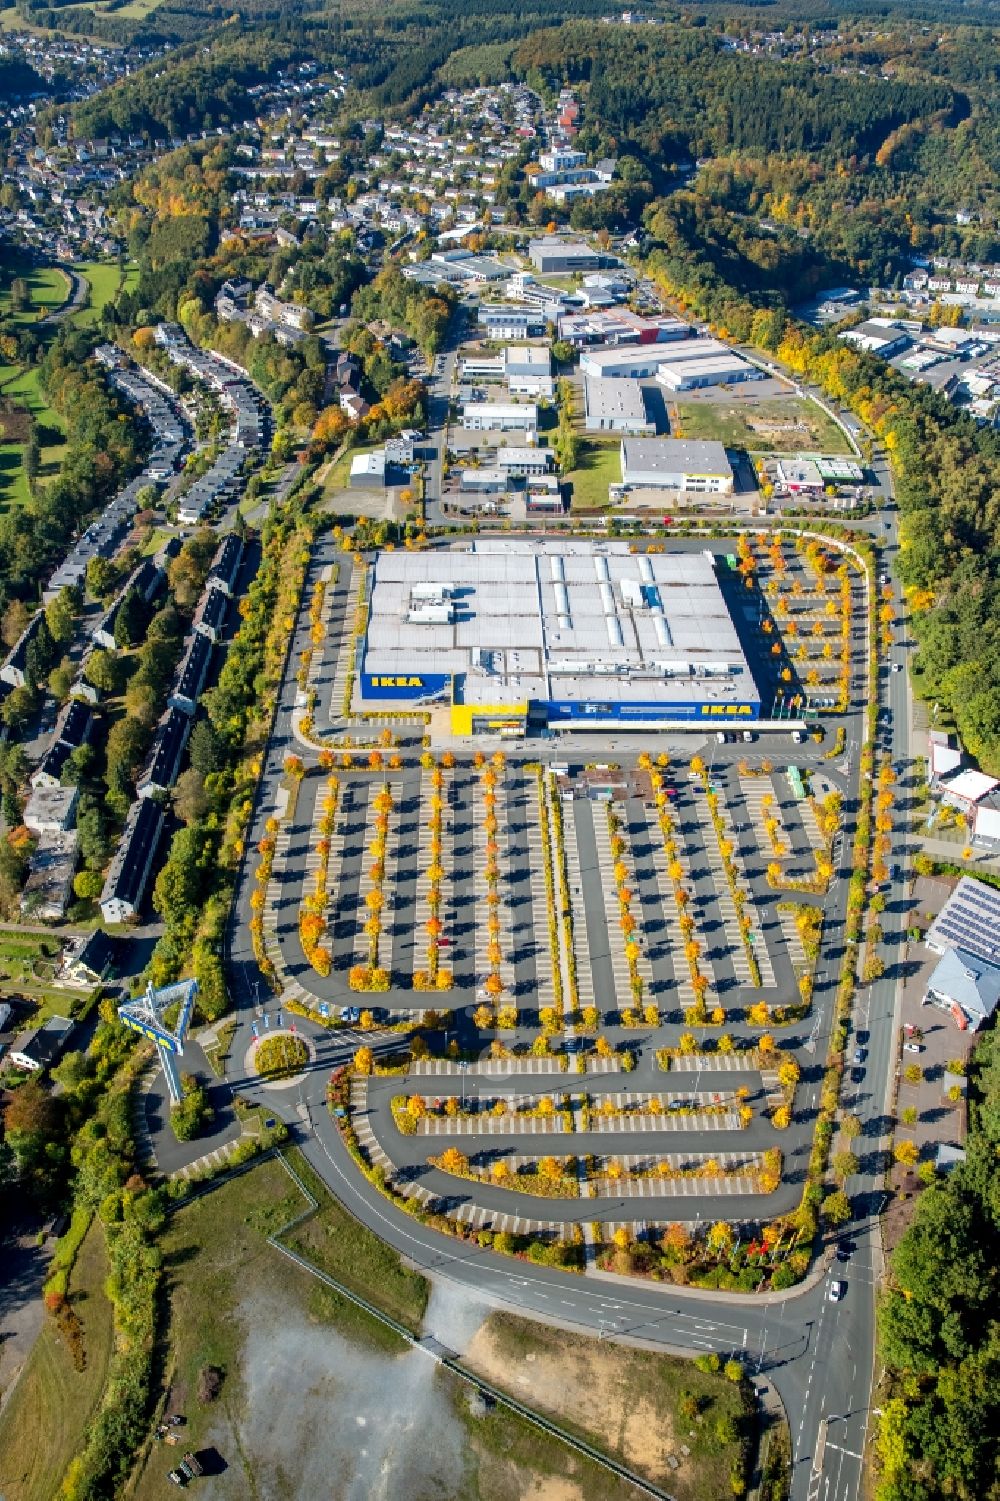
(552, 256)
(690, 466)
(500, 417)
(698, 373)
(625, 361)
(527, 370)
(615, 406)
(882, 336)
(510, 634)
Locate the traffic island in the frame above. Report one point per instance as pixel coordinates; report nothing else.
(279, 1059)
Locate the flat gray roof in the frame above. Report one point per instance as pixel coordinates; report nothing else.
(675, 456)
(560, 619)
(614, 398)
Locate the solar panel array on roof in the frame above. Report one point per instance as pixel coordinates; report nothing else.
(970, 919)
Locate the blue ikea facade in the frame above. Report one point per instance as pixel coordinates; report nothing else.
(401, 685)
(414, 687)
(632, 713)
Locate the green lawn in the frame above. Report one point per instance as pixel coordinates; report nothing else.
(104, 279)
(340, 1245)
(44, 1422)
(49, 288)
(338, 476)
(13, 480)
(599, 467)
(777, 425)
(135, 10)
(22, 387)
(27, 967)
(157, 537)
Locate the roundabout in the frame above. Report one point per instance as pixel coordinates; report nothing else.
(279, 1060)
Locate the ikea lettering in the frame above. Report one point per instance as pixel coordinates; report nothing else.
(397, 682)
(728, 710)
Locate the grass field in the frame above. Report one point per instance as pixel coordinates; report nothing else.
(342, 1246)
(49, 288)
(232, 1298)
(779, 425)
(136, 10)
(338, 476)
(319, 1399)
(599, 467)
(44, 1422)
(22, 387)
(13, 480)
(104, 280)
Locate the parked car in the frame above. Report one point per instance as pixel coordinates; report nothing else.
(860, 1054)
(857, 1076)
(350, 1014)
(913, 1047)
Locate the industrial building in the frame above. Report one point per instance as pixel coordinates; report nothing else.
(689, 465)
(503, 322)
(500, 417)
(553, 256)
(882, 336)
(698, 371)
(798, 477)
(511, 634)
(625, 361)
(615, 406)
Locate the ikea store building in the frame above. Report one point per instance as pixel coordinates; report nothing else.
(511, 634)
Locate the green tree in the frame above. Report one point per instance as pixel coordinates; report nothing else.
(837, 1208)
(103, 672)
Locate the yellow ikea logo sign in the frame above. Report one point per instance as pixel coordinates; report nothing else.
(397, 682)
(729, 710)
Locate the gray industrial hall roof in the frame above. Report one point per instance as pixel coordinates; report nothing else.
(675, 455)
(614, 398)
(570, 619)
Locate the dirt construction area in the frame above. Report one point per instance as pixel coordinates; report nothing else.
(627, 1399)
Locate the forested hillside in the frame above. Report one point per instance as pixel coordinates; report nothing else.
(939, 1331)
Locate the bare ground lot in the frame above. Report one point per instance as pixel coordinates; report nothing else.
(318, 1401)
(627, 1399)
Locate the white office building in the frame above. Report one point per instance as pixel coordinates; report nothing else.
(500, 417)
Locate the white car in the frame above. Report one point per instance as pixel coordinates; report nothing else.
(836, 1292)
(913, 1047)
